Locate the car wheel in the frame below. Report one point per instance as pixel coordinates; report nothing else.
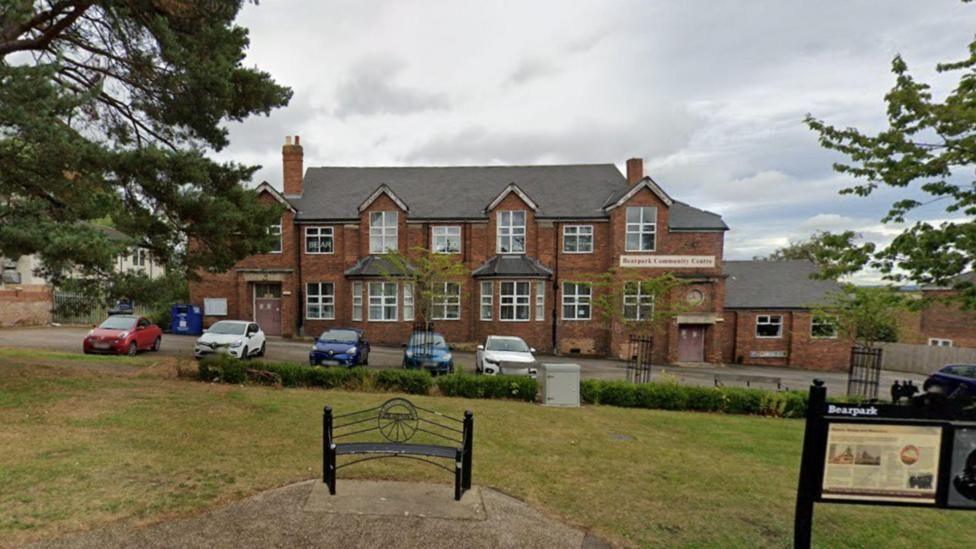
(263, 348)
(244, 354)
(133, 349)
(157, 344)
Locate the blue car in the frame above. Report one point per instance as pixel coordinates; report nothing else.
(340, 347)
(953, 381)
(428, 350)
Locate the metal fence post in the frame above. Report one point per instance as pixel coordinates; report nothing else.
(468, 447)
(458, 465)
(809, 466)
(328, 455)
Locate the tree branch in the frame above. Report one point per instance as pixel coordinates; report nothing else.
(48, 35)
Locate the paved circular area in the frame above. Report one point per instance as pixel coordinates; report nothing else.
(361, 514)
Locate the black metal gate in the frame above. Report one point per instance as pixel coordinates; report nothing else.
(865, 373)
(639, 359)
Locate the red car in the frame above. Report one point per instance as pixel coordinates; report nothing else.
(123, 334)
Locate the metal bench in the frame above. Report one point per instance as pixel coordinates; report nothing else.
(720, 380)
(398, 420)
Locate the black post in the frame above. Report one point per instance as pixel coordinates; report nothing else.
(457, 475)
(328, 452)
(809, 465)
(468, 447)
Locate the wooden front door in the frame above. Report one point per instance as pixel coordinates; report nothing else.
(691, 343)
(267, 308)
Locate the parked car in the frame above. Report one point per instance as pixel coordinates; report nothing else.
(123, 334)
(237, 338)
(428, 350)
(953, 381)
(340, 347)
(507, 355)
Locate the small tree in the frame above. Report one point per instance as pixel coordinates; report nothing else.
(616, 301)
(865, 314)
(428, 273)
(835, 254)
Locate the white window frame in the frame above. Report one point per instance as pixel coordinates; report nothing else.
(769, 322)
(577, 299)
(322, 234)
(381, 234)
(816, 320)
(640, 228)
(487, 291)
(576, 232)
(540, 300)
(321, 299)
(275, 229)
(408, 304)
(444, 300)
(445, 233)
(357, 301)
(514, 301)
(940, 342)
(508, 231)
(382, 300)
(637, 300)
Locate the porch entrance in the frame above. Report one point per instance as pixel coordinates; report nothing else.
(691, 343)
(267, 307)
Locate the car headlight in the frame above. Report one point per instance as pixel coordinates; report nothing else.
(491, 360)
(448, 356)
(351, 350)
(409, 353)
(122, 336)
(237, 343)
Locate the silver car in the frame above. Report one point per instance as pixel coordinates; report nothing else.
(508, 355)
(237, 338)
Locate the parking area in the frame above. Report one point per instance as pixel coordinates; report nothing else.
(69, 338)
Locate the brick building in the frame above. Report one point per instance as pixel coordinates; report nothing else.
(533, 238)
(769, 321)
(940, 322)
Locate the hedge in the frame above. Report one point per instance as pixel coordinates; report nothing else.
(671, 396)
(500, 386)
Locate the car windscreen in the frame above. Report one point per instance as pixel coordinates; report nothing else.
(424, 339)
(118, 323)
(228, 328)
(342, 336)
(510, 345)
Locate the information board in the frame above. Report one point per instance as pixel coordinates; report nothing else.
(879, 462)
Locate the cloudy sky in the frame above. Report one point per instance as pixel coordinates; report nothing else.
(711, 93)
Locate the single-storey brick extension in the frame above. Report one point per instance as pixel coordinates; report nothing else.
(530, 237)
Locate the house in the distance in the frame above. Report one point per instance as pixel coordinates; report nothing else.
(940, 323)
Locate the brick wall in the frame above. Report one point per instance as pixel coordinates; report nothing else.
(25, 307)
(739, 342)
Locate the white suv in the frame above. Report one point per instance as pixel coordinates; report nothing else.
(237, 338)
(507, 355)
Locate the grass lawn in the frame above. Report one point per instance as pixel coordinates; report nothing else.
(88, 440)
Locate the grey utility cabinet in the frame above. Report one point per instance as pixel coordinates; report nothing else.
(560, 384)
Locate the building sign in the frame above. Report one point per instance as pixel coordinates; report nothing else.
(668, 261)
(767, 354)
(879, 462)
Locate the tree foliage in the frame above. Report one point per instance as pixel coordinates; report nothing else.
(108, 109)
(611, 288)
(835, 254)
(866, 314)
(428, 273)
(928, 151)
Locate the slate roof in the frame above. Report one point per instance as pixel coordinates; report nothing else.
(774, 285)
(372, 266)
(561, 191)
(512, 265)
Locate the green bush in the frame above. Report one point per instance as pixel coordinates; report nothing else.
(664, 396)
(704, 399)
(618, 393)
(590, 390)
(414, 382)
(474, 386)
(743, 401)
(224, 368)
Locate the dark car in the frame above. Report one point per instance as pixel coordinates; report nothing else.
(340, 347)
(428, 350)
(123, 334)
(953, 381)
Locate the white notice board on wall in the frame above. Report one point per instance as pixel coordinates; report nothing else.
(215, 306)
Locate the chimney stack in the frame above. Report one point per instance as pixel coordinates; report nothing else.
(635, 170)
(291, 166)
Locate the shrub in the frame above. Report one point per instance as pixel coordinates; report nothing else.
(665, 396)
(590, 390)
(704, 399)
(226, 369)
(618, 393)
(473, 386)
(414, 382)
(743, 401)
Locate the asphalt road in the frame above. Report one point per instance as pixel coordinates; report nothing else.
(68, 339)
